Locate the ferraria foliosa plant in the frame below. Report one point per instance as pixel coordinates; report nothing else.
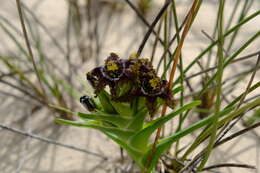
(124, 113)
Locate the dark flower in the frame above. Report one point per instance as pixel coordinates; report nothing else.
(132, 67)
(130, 78)
(114, 68)
(96, 79)
(146, 66)
(152, 85)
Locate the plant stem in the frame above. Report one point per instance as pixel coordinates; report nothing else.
(174, 10)
(18, 3)
(226, 128)
(229, 165)
(151, 28)
(50, 141)
(219, 84)
(141, 17)
(190, 17)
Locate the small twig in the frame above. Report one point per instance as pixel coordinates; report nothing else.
(237, 134)
(156, 41)
(234, 61)
(192, 163)
(211, 39)
(250, 82)
(26, 145)
(151, 28)
(199, 156)
(240, 75)
(187, 26)
(22, 90)
(18, 3)
(122, 155)
(50, 141)
(226, 128)
(228, 165)
(11, 74)
(16, 97)
(252, 98)
(245, 57)
(145, 21)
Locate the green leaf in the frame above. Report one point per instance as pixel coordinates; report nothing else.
(137, 122)
(105, 99)
(137, 104)
(123, 109)
(140, 140)
(44, 79)
(124, 88)
(114, 119)
(97, 103)
(255, 117)
(22, 76)
(165, 143)
(177, 89)
(201, 137)
(229, 59)
(121, 133)
(62, 109)
(133, 153)
(221, 122)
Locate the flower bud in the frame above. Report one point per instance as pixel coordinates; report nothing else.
(88, 103)
(96, 79)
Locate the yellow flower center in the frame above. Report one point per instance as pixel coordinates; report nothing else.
(112, 66)
(154, 82)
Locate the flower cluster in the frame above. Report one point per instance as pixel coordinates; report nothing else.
(128, 79)
(121, 113)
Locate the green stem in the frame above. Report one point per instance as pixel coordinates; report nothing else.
(219, 85)
(174, 11)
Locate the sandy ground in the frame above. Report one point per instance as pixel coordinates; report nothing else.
(26, 155)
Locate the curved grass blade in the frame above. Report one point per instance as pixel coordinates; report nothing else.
(165, 143)
(123, 134)
(140, 140)
(177, 89)
(201, 138)
(62, 109)
(114, 119)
